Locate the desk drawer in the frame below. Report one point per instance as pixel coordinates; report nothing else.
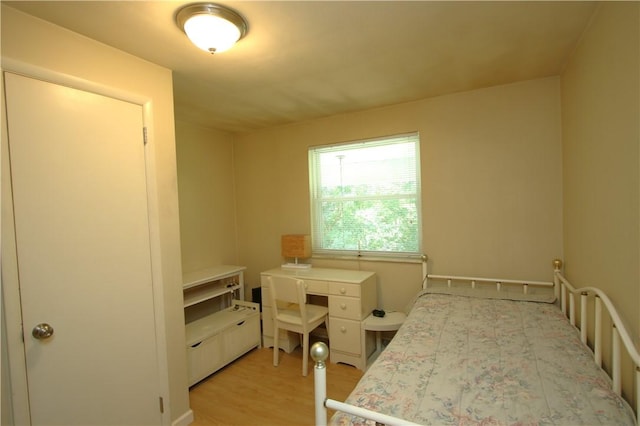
(266, 295)
(344, 335)
(345, 307)
(344, 289)
(316, 287)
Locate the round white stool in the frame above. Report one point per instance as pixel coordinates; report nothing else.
(390, 322)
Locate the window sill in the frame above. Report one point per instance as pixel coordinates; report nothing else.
(408, 258)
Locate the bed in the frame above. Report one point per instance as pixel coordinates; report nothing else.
(503, 354)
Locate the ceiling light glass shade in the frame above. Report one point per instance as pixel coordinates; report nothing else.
(211, 27)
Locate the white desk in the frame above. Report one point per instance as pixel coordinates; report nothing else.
(352, 295)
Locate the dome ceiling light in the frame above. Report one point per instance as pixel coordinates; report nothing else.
(211, 27)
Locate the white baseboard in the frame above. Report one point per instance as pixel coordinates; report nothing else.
(184, 420)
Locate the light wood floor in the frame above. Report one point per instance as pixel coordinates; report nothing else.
(251, 391)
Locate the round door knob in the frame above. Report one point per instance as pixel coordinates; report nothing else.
(42, 331)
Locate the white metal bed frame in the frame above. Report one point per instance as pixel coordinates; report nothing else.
(563, 291)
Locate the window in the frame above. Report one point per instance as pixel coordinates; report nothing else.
(365, 197)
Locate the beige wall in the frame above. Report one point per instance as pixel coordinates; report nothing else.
(46, 46)
(207, 197)
(491, 184)
(601, 134)
(601, 138)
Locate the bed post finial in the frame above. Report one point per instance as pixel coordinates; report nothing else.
(425, 272)
(319, 353)
(557, 264)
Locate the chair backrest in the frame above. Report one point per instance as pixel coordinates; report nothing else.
(288, 291)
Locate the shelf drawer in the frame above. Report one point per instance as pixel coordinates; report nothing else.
(345, 307)
(345, 335)
(344, 289)
(239, 338)
(204, 357)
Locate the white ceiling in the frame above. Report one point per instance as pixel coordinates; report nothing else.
(307, 59)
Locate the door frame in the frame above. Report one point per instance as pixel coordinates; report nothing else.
(10, 308)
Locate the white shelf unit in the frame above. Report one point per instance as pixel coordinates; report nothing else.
(215, 287)
(223, 328)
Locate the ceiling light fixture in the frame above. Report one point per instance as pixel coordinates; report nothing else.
(211, 27)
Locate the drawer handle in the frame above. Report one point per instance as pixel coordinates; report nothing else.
(196, 345)
(343, 329)
(343, 306)
(240, 323)
(343, 290)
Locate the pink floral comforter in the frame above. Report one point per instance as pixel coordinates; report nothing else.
(461, 360)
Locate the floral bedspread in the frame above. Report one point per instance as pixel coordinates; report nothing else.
(461, 360)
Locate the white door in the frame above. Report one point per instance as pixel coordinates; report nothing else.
(82, 238)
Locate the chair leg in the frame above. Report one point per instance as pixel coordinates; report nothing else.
(276, 350)
(305, 353)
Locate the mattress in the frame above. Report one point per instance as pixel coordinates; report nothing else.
(461, 360)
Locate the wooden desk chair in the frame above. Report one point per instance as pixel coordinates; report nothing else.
(291, 312)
